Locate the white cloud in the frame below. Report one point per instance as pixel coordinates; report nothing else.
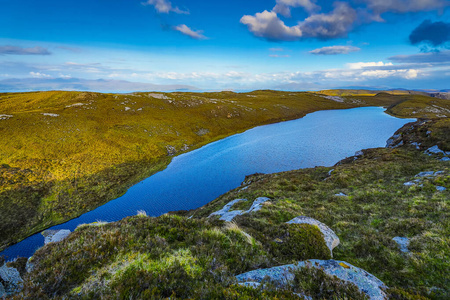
(267, 25)
(39, 75)
(362, 65)
(198, 35)
(333, 50)
(165, 6)
(334, 24)
(283, 7)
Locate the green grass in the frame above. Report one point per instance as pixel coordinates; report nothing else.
(179, 257)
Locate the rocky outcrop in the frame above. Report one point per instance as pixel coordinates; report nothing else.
(227, 215)
(54, 236)
(10, 281)
(283, 275)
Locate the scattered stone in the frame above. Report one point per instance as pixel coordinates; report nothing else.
(158, 96)
(331, 239)
(5, 117)
(76, 104)
(54, 236)
(417, 145)
(334, 98)
(429, 174)
(409, 183)
(434, 150)
(440, 188)
(202, 131)
(445, 158)
(394, 141)
(50, 115)
(403, 243)
(11, 282)
(171, 150)
(428, 132)
(227, 215)
(341, 195)
(366, 282)
(329, 172)
(359, 153)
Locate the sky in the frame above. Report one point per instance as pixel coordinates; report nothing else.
(126, 45)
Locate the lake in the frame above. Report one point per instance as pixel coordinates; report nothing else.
(195, 178)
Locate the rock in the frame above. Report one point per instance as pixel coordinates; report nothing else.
(257, 204)
(11, 282)
(283, 275)
(30, 265)
(403, 243)
(359, 153)
(434, 150)
(227, 215)
(331, 239)
(425, 174)
(417, 145)
(341, 195)
(394, 141)
(445, 158)
(329, 172)
(54, 236)
(440, 188)
(409, 183)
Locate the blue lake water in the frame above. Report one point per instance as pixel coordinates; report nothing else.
(195, 178)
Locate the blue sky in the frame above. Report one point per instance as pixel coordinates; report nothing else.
(215, 45)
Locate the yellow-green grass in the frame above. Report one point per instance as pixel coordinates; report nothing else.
(64, 153)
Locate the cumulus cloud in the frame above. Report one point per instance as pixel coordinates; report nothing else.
(333, 50)
(198, 35)
(332, 25)
(404, 6)
(165, 7)
(329, 25)
(267, 25)
(283, 7)
(432, 33)
(335, 24)
(14, 50)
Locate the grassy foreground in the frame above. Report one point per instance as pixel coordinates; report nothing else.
(65, 153)
(187, 255)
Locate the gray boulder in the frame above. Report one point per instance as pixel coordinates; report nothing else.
(331, 239)
(283, 275)
(54, 236)
(11, 282)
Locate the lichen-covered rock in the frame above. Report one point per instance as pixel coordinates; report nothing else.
(394, 141)
(283, 275)
(331, 239)
(53, 236)
(11, 282)
(434, 150)
(403, 243)
(227, 215)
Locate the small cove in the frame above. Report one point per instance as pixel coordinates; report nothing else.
(195, 178)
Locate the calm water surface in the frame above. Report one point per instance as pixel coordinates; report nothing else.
(195, 178)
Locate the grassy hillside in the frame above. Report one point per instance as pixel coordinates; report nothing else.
(64, 153)
(187, 255)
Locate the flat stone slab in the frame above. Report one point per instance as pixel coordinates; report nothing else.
(366, 282)
(54, 236)
(227, 215)
(331, 239)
